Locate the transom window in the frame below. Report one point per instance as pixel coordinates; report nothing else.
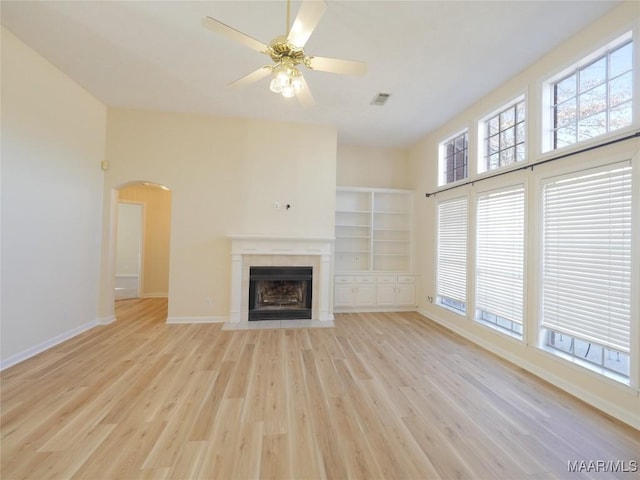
(595, 98)
(504, 137)
(454, 154)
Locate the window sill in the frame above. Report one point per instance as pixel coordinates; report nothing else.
(523, 164)
(446, 186)
(452, 310)
(586, 144)
(590, 367)
(503, 331)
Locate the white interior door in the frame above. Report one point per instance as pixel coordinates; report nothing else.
(129, 250)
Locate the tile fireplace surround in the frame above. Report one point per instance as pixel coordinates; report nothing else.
(252, 251)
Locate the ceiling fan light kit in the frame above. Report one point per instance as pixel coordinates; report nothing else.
(287, 79)
(287, 53)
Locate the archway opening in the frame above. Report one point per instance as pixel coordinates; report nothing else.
(143, 235)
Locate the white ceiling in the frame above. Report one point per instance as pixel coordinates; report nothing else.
(434, 57)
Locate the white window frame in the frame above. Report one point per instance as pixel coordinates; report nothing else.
(442, 155)
(547, 111)
(482, 167)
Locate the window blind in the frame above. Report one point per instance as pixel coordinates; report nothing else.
(500, 253)
(587, 255)
(452, 250)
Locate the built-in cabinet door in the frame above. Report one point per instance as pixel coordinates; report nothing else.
(406, 294)
(377, 291)
(365, 295)
(386, 294)
(344, 296)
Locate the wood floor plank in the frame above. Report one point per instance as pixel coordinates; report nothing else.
(203, 423)
(325, 435)
(444, 455)
(304, 460)
(221, 453)
(70, 460)
(274, 458)
(122, 453)
(189, 462)
(379, 396)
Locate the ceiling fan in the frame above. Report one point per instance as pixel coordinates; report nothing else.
(287, 53)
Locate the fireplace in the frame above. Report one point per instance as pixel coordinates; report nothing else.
(280, 293)
(248, 251)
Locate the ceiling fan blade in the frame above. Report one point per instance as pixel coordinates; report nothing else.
(304, 94)
(233, 34)
(309, 15)
(336, 65)
(253, 77)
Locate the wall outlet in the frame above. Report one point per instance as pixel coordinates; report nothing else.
(430, 299)
(276, 205)
(208, 301)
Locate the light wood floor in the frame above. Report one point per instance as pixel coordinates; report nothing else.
(379, 396)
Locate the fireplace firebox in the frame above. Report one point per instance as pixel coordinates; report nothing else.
(280, 293)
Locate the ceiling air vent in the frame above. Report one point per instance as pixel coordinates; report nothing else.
(380, 99)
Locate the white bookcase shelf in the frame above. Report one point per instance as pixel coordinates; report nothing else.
(373, 250)
(373, 230)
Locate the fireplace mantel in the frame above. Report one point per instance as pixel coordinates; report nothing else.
(271, 245)
(254, 250)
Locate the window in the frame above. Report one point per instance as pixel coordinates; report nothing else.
(453, 158)
(500, 259)
(590, 352)
(503, 134)
(595, 98)
(586, 279)
(452, 254)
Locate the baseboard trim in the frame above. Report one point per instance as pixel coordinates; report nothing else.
(558, 381)
(46, 345)
(187, 320)
(373, 309)
(155, 295)
(106, 320)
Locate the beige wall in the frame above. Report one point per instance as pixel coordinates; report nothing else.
(157, 231)
(615, 398)
(53, 139)
(372, 167)
(225, 176)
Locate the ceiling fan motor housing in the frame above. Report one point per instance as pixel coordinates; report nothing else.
(280, 48)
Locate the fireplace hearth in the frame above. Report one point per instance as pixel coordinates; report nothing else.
(280, 293)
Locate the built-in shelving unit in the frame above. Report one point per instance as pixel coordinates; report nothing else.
(373, 230)
(373, 250)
